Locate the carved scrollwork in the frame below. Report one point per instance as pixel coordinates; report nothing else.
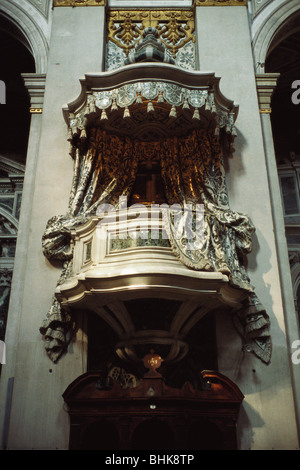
(125, 31)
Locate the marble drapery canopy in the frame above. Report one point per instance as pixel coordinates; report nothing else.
(104, 170)
(192, 170)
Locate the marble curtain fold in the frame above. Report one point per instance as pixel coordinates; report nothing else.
(193, 173)
(104, 170)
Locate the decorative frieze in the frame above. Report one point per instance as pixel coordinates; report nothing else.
(175, 28)
(216, 3)
(93, 3)
(79, 3)
(177, 106)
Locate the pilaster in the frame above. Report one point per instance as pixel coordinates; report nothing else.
(35, 84)
(266, 84)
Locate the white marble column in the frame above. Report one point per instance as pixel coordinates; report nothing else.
(35, 84)
(266, 83)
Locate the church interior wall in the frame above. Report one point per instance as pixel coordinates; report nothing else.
(69, 41)
(249, 193)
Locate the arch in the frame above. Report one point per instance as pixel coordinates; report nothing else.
(30, 35)
(11, 220)
(295, 275)
(273, 28)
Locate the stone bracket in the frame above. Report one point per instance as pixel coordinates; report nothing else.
(266, 84)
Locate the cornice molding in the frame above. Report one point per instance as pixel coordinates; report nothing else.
(11, 167)
(266, 84)
(35, 84)
(94, 3)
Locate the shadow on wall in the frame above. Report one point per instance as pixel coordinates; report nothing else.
(245, 428)
(234, 162)
(259, 265)
(251, 375)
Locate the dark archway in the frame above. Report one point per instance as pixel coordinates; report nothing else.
(14, 114)
(15, 122)
(285, 59)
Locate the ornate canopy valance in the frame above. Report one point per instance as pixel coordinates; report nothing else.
(141, 100)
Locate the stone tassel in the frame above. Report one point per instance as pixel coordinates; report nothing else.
(185, 104)
(160, 98)
(126, 113)
(139, 99)
(103, 115)
(196, 114)
(173, 112)
(114, 106)
(150, 107)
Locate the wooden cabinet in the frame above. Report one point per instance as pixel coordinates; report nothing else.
(153, 416)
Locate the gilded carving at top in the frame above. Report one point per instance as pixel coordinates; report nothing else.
(175, 28)
(78, 3)
(198, 3)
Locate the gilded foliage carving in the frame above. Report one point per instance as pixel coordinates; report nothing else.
(220, 2)
(78, 3)
(175, 28)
